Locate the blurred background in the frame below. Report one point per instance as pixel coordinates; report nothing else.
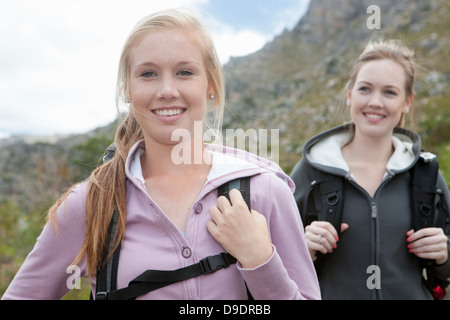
(285, 70)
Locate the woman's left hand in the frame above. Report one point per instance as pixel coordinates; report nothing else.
(428, 243)
(243, 234)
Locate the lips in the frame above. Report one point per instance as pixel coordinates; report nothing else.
(374, 116)
(169, 114)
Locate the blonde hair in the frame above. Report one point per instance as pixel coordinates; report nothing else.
(387, 49)
(107, 183)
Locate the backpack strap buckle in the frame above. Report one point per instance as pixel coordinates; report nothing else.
(101, 295)
(427, 157)
(425, 209)
(213, 263)
(332, 199)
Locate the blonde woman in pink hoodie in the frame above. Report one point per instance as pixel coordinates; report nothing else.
(169, 212)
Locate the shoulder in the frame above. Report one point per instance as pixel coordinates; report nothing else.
(71, 208)
(270, 193)
(230, 163)
(303, 174)
(269, 182)
(299, 169)
(76, 197)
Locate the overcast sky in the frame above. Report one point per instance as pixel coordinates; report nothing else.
(58, 58)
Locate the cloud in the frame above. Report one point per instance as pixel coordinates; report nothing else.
(59, 59)
(58, 62)
(231, 42)
(286, 16)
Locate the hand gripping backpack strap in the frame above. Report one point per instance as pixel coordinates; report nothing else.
(154, 279)
(241, 184)
(324, 202)
(332, 195)
(428, 210)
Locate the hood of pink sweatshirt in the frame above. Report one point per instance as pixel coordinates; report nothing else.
(227, 164)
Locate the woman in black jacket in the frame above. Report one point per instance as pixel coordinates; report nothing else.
(376, 254)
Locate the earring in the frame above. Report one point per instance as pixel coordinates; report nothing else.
(212, 96)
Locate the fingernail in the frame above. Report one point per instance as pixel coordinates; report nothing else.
(337, 239)
(334, 246)
(409, 239)
(411, 250)
(409, 246)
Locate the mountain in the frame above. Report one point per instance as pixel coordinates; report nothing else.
(293, 84)
(35, 170)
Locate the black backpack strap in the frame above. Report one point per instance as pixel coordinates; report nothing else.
(106, 279)
(325, 199)
(154, 279)
(109, 153)
(332, 195)
(423, 191)
(241, 184)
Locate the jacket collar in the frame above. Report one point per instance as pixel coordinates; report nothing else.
(325, 149)
(227, 164)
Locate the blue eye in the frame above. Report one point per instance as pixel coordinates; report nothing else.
(390, 92)
(364, 89)
(185, 73)
(148, 74)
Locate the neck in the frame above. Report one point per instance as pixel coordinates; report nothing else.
(369, 150)
(188, 157)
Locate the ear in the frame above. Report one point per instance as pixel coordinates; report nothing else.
(127, 92)
(408, 103)
(349, 97)
(210, 93)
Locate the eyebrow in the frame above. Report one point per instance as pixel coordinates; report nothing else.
(144, 64)
(152, 64)
(369, 83)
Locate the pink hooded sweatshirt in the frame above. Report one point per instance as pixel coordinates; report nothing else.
(152, 241)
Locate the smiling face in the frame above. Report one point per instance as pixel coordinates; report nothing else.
(378, 98)
(168, 84)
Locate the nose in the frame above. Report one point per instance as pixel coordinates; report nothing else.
(376, 100)
(167, 88)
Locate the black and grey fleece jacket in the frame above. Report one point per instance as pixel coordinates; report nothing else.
(376, 238)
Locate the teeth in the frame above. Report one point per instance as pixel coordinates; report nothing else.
(168, 112)
(374, 116)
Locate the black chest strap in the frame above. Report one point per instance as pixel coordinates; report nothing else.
(154, 279)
